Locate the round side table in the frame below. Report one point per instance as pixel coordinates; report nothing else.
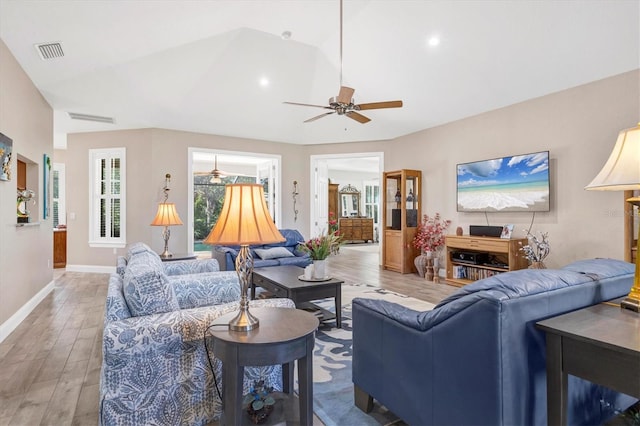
(284, 335)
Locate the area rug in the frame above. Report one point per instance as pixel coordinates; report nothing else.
(332, 385)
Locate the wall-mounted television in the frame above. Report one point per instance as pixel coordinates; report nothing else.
(519, 183)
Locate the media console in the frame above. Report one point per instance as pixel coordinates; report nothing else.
(471, 258)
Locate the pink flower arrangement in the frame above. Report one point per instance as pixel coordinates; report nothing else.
(333, 223)
(319, 248)
(430, 234)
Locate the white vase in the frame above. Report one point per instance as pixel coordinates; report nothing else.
(319, 269)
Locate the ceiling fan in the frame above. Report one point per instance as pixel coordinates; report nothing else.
(216, 174)
(343, 104)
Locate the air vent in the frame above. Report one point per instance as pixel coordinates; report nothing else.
(49, 50)
(87, 117)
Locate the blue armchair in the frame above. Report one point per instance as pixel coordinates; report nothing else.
(477, 358)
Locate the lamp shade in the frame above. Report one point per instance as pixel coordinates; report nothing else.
(621, 172)
(244, 218)
(166, 215)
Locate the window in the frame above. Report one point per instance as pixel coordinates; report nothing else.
(59, 210)
(371, 199)
(107, 197)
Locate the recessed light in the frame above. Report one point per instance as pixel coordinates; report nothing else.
(286, 35)
(264, 81)
(434, 41)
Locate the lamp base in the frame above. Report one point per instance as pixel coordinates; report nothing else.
(631, 304)
(244, 321)
(166, 254)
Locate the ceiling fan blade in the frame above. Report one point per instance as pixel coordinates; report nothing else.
(358, 117)
(346, 95)
(317, 106)
(318, 116)
(379, 105)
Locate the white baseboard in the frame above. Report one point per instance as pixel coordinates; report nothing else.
(91, 268)
(14, 321)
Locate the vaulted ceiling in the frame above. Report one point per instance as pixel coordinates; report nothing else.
(225, 68)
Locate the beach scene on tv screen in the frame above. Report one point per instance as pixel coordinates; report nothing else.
(508, 184)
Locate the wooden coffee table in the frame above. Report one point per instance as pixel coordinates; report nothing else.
(283, 281)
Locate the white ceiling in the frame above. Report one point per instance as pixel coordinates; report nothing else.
(196, 65)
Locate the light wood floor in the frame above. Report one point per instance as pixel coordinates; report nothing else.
(50, 365)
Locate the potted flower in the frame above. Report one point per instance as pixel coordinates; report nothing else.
(429, 239)
(259, 402)
(319, 248)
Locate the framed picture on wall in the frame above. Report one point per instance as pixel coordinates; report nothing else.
(6, 146)
(507, 230)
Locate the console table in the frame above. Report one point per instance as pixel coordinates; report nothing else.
(354, 229)
(284, 335)
(504, 255)
(600, 343)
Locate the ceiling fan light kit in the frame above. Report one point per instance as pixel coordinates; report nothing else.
(344, 104)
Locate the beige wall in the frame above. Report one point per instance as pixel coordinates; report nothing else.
(578, 126)
(26, 253)
(151, 154)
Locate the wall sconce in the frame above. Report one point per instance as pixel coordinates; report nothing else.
(294, 194)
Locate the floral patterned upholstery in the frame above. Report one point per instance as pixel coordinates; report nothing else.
(174, 267)
(155, 368)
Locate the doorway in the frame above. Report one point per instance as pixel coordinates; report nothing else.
(208, 188)
(360, 170)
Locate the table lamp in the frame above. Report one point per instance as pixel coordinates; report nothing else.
(166, 216)
(621, 172)
(244, 220)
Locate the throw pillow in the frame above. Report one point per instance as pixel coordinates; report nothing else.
(273, 253)
(148, 291)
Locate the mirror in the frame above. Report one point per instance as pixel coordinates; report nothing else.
(349, 201)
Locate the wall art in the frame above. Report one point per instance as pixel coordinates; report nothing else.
(6, 145)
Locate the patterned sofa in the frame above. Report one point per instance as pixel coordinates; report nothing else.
(156, 368)
(174, 267)
(477, 358)
(284, 253)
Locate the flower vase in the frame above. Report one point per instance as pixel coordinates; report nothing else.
(537, 265)
(420, 262)
(319, 269)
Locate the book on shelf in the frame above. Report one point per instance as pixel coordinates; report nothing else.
(473, 273)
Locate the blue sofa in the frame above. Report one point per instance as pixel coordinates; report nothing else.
(477, 358)
(267, 254)
(156, 369)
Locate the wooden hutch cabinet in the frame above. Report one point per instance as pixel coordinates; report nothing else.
(401, 214)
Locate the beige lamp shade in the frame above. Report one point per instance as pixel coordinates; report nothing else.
(621, 172)
(244, 218)
(166, 215)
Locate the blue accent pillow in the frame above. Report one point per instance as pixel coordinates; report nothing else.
(273, 253)
(147, 291)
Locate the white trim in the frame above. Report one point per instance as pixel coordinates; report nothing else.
(94, 192)
(91, 268)
(107, 244)
(313, 160)
(14, 321)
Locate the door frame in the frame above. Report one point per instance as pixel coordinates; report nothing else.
(322, 202)
(277, 185)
